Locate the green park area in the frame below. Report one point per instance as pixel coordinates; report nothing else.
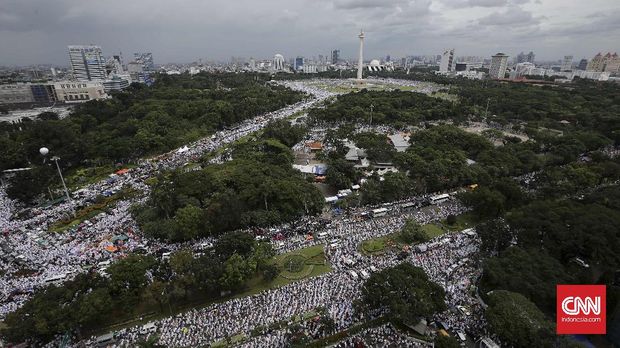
(295, 265)
(463, 221)
(396, 241)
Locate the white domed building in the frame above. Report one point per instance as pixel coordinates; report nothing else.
(278, 62)
(375, 65)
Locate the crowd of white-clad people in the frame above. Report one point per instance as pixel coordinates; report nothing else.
(32, 257)
(384, 336)
(44, 255)
(334, 291)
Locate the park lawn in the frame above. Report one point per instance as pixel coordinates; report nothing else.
(463, 221)
(432, 230)
(315, 265)
(378, 245)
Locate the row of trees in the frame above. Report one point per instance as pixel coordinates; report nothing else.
(91, 301)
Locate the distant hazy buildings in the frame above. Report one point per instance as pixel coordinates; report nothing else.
(583, 64)
(499, 62)
(299, 63)
(278, 62)
(375, 65)
(525, 58)
(567, 63)
(447, 61)
(335, 56)
(146, 60)
(608, 63)
(87, 63)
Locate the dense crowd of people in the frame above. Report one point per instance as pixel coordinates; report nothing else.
(36, 256)
(335, 291)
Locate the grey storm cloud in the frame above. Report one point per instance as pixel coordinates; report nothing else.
(513, 16)
(38, 31)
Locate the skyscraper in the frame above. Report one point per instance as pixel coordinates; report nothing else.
(498, 66)
(335, 56)
(567, 63)
(609, 62)
(530, 57)
(278, 62)
(87, 62)
(146, 59)
(299, 63)
(447, 61)
(583, 64)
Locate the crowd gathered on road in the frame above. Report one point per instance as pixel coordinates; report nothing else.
(33, 257)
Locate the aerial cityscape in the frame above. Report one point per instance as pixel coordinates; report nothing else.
(335, 173)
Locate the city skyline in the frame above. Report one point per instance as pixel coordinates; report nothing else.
(192, 30)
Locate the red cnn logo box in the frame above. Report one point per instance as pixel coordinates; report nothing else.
(581, 309)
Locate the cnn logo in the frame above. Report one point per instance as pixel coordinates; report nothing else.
(581, 309)
(577, 305)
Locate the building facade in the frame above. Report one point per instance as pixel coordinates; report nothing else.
(583, 64)
(567, 63)
(608, 63)
(335, 56)
(50, 92)
(146, 59)
(447, 61)
(299, 63)
(16, 93)
(499, 62)
(78, 92)
(278, 62)
(87, 63)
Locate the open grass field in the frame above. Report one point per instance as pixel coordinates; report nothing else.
(463, 221)
(377, 246)
(297, 265)
(432, 230)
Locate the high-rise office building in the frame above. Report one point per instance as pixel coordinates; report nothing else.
(447, 61)
(87, 63)
(583, 64)
(530, 57)
(609, 62)
(523, 58)
(278, 62)
(299, 63)
(499, 62)
(567, 63)
(335, 56)
(146, 59)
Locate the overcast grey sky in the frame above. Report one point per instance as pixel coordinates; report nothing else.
(38, 31)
